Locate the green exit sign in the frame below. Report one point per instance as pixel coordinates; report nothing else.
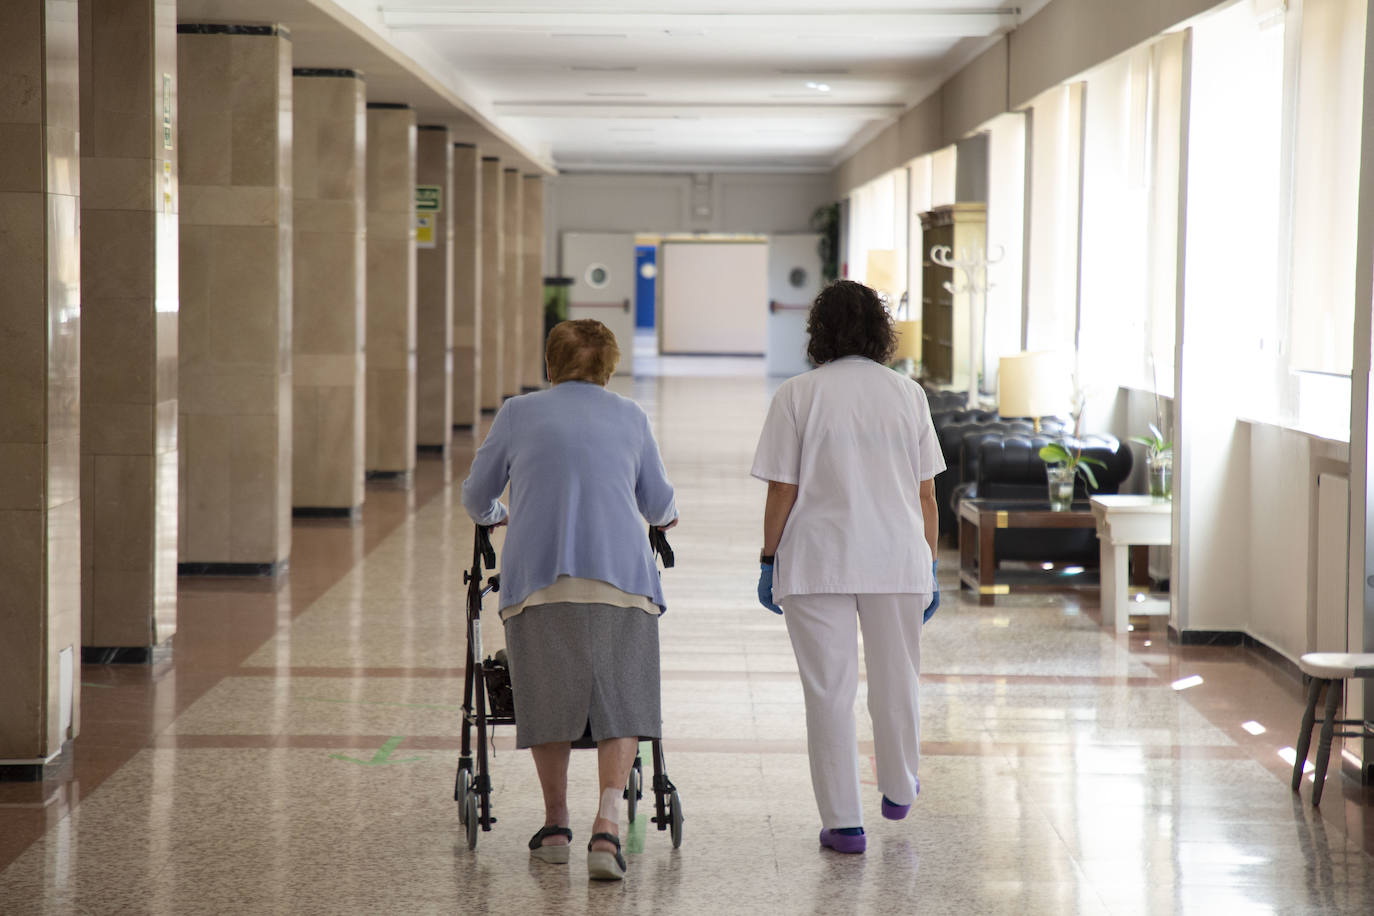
(427, 197)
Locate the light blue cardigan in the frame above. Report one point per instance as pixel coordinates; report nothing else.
(585, 475)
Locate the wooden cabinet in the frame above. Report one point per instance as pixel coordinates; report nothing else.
(945, 347)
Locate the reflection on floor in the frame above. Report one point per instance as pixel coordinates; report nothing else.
(295, 752)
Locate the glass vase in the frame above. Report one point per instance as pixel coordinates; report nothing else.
(1061, 486)
(1161, 471)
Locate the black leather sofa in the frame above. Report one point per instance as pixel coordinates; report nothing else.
(1008, 466)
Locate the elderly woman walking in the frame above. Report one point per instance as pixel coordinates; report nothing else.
(849, 534)
(580, 594)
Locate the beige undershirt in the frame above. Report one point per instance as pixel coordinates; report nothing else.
(582, 591)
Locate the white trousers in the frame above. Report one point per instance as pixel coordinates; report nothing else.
(824, 631)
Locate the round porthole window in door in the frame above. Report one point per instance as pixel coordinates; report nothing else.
(597, 276)
(797, 277)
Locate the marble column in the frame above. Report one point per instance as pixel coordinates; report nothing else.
(493, 283)
(467, 286)
(235, 340)
(129, 271)
(512, 354)
(434, 289)
(532, 281)
(390, 292)
(329, 291)
(40, 357)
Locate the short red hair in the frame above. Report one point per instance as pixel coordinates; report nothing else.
(581, 350)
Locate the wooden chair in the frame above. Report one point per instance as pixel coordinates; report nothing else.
(1329, 671)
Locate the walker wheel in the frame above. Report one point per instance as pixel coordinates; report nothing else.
(675, 818)
(632, 792)
(470, 817)
(464, 786)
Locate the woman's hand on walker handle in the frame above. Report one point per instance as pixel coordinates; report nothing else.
(935, 596)
(766, 587)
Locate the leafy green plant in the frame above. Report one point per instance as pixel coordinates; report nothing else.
(1055, 453)
(826, 221)
(1155, 443)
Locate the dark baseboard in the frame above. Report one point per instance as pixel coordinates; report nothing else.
(116, 655)
(21, 772)
(462, 427)
(488, 411)
(431, 450)
(57, 768)
(530, 389)
(350, 513)
(396, 480)
(1242, 640)
(236, 570)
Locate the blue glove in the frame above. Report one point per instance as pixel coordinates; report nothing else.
(934, 598)
(766, 587)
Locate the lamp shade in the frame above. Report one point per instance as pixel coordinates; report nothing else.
(881, 273)
(908, 340)
(1033, 384)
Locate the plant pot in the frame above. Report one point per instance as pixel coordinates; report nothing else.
(1061, 486)
(1161, 471)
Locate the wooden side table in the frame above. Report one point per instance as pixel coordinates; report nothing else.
(979, 521)
(1124, 521)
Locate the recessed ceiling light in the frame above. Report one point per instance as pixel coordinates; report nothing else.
(819, 87)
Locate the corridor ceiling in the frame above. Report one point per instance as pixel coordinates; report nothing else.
(697, 85)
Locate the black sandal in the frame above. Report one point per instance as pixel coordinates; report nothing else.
(554, 854)
(602, 865)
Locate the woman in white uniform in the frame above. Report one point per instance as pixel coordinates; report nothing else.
(849, 532)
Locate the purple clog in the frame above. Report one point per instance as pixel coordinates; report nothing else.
(844, 842)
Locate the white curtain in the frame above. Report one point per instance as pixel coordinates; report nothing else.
(1051, 295)
(1006, 232)
(1130, 218)
(1325, 184)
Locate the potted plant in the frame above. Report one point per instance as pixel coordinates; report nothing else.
(1064, 462)
(1062, 465)
(1159, 461)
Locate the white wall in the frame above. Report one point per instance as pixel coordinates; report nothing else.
(719, 202)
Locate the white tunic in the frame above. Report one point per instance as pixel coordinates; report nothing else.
(857, 440)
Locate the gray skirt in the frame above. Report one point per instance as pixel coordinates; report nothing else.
(575, 665)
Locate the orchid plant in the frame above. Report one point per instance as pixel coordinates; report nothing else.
(1073, 458)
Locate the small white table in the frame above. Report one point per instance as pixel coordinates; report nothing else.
(1121, 522)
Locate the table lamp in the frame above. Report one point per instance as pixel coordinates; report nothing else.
(1032, 384)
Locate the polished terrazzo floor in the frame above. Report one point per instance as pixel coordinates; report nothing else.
(294, 753)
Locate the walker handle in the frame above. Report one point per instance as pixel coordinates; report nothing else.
(658, 542)
(484, 545)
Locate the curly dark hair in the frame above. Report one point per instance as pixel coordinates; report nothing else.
(849, 319)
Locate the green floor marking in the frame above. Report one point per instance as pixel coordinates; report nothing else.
(382, 757)
(634, 843)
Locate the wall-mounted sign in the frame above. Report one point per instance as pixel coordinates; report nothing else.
(424, 230)
(166, 111)
(428, 198)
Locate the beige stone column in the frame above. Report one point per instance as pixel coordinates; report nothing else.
(467, 286)
(235, 340)
(329, 287)
(390, 292)
(40, 417)
(493, 283)
(532, 282)
(513, 353)
(129, 269)
(434, 289)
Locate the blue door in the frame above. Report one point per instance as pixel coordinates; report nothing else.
(645, 255)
